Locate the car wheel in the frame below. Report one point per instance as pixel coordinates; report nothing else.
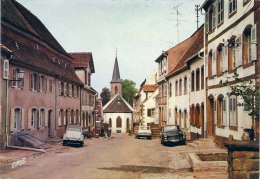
(137, 137)
(81, 144)
(150, 138)
(64, 143)
(184, 142)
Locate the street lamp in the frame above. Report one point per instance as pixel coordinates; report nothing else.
(20, 76)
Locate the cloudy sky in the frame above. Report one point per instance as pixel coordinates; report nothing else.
(139, 29)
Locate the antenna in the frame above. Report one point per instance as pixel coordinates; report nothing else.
(197, 14)
(177, 12)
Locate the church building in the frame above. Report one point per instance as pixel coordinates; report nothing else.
(117, 112)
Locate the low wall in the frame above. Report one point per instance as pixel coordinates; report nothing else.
(243, 159)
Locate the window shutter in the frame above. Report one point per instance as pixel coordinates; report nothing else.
(215, 112)
(39, 82)
(29, 118)
(230, 112)
(11, 127)
(214, 64)
(234, 111)
(70, 90)
(13, 77)
(23, 119)
(206, 66)
(59, 88)
(238, 51)
(46, 84)
(225, 58)
(214, 19)
(30, 81)
(46, 118)
(224, 112)
(6, 69)
(22, 83)
(207, 23)
(253, 43)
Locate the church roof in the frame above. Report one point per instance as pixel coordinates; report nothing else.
(116, 74)
(117, 105)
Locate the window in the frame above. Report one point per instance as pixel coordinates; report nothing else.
(116, 89)
(198, 79)
(17, 119)
(232, 6)
(89, 79)
(16, 83)
(224, 58)
(232, 111)
(220, 11)
(62, 88)
(34, 118)
(192, 80)
(50, 85)
(185, 85)
(33, 81)
(180, 88)
(221, 111)
(214, 65)
(202, 77)
(42, 83)
(72, 90)
(207, 22)
(67, 89)
(151, 112)
(118, 122)
(110, 122)
(42, 118)
(249, 44)
(176, 88)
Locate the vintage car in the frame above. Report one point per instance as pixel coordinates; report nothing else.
(172, 134)
(143, 131)
(73, 135)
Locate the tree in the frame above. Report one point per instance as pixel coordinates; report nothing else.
(128, 90)
(105, 95)
(249, 91)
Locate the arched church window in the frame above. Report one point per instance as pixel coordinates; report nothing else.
(118, 122)
(116, 90)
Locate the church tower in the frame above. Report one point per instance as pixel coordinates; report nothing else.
(116, 82)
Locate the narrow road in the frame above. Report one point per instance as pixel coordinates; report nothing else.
(121, 157)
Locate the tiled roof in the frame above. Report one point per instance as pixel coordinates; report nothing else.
(83, 59)
(117, 107)
(193, 45)
(17, 15)
(150, 88)
(27, 51)
(116, 74)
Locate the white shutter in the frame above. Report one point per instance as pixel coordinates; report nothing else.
(214, 64)
(11, 127)
(29, 118)
(225, 58)
(230, 112)
(224, 112)
(253, 43)
(238, 51)
(6, 69)
(215, 112)
(214, 19)
(23, 119)
(46, 118)
(234, 104)
(206, 65)
(207, 23)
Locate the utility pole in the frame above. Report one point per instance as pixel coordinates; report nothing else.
(197, 14)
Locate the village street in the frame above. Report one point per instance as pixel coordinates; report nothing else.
(121, 157)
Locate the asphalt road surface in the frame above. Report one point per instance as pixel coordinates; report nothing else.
(121, 157)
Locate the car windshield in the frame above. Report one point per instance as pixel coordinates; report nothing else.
(73, 128)
(144, 128)
(170, 128)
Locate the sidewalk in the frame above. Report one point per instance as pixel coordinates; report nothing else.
(11, 155)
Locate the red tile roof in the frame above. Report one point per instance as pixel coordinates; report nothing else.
(192, 47)
(83, 59)
(150, 88)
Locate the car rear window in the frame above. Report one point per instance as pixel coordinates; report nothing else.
(144, 128)
(73, 128)
(170, 128)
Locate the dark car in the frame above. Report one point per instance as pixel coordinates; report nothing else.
(172, 134)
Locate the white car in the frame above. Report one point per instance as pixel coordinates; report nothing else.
(143, 131)
(73, 135)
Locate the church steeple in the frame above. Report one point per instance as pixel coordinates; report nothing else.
(116, 82)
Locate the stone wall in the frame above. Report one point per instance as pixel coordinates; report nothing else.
(243, 159)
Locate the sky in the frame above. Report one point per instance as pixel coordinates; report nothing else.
(136, 31)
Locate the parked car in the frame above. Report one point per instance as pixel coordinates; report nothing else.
(73, 135)
(172, 134)
(143, 131)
